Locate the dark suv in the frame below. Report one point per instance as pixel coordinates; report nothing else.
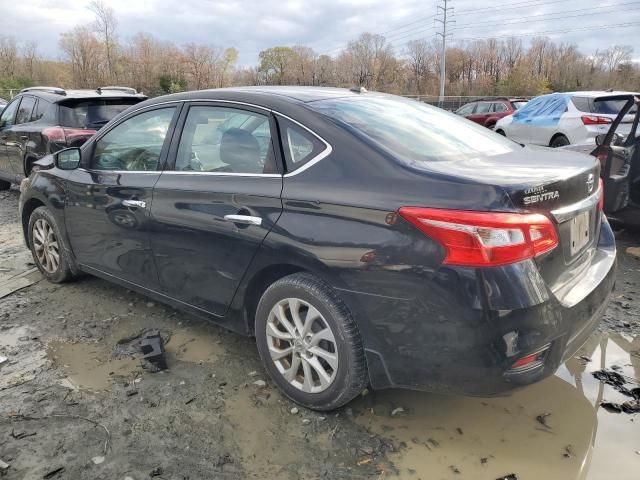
(488, 112)
(43, 120)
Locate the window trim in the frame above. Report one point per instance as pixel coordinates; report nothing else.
(325, 153)
(35, 102)
(88, 149)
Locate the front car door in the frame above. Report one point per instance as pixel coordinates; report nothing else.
(215, 204)
(109, 198)
(7, 121)
(18, 135)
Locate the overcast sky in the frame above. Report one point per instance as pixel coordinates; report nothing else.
(253, 25)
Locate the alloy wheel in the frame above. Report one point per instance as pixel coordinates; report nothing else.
(45, 244)
(302, 345)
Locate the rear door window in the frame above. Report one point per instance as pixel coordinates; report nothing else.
(467, 109)
(24, 112)
(41, 108)
(483, 107)
(499, 107)
(93, 113)
(9, 114)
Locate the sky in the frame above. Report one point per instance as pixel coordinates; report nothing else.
(328, 25)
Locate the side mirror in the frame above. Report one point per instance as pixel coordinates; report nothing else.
(600, 138)
(68, 159)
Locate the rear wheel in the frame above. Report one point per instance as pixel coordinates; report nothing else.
(559, 141)
(47, 246)
(309, 343)
(4, 185)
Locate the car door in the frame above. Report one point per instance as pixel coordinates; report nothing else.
(108, 202)
(7, 120)
(216, 202)
(523, 121)
(18, 135)
(480, 113)
(547, 121)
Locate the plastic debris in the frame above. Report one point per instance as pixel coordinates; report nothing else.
(97, 460)
(260, 383)
(294, 411)
(397, 411)
(3, 465)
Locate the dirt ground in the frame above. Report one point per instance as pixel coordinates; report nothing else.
(70, 409)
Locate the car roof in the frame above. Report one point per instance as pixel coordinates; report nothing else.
(598, 93)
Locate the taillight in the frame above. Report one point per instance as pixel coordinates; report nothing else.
(595, 120)
(601, 200)
(481, 239)
(66, 135)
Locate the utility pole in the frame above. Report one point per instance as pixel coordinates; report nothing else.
(445, 20)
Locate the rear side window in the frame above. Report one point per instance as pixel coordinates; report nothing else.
(582, 103)
(300, 146)
(24, 112)
(483, 107)
(41, 108)
(93, 113)
(499, 107)
(411, 131)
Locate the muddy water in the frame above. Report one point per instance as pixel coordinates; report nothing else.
(91, 365)
(449, 436)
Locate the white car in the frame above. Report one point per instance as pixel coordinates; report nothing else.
(560, 119)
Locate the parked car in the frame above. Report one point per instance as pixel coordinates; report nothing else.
(378, 241)
(619, 152)
(43, 120)
(488, 112)
(560, 119)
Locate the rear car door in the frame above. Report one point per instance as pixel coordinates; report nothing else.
(108, 203)
(7, 120)
(480, 113)
(215, 204)
(18, 135)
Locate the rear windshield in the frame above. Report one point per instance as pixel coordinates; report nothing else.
(412, 131)
(602, 106)
(518, 105)
(93, 113)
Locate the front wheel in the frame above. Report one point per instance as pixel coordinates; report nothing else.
(309, 343)
(47, 246)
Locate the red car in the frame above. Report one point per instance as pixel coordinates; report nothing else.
(488, 111)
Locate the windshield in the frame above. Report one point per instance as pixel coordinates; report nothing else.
(93, 113)
(412, 131)
(518, 105)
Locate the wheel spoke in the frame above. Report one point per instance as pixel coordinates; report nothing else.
(272, 331)
(282, 318)
(324, 377)
(324, 334)
(312, 315)
(329, 357)
(278, 354)
(308, 379)
(292, 372)
(294, 308)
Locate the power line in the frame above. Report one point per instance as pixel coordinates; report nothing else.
(447, 11)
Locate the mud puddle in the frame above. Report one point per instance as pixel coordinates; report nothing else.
(93, 365)
(460, 437)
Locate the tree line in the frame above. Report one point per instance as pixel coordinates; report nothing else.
(95, 55)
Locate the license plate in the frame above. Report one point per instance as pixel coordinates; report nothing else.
(580, 231)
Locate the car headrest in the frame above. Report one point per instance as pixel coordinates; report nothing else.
(241, 151)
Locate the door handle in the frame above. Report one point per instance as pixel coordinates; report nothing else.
(134, 203)
(244, 219)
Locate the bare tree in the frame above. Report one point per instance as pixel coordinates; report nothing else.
(8, 56)
(105, 24)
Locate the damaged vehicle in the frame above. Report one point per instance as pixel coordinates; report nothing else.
(362, 238)
(619, 154)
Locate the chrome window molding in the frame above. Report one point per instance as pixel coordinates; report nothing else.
(325, 153)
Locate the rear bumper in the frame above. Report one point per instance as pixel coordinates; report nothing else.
(468, 327)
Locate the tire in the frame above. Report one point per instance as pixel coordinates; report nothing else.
(345, 377)
(559, 141)
(501, 132)
(4, 185)
(42, 225)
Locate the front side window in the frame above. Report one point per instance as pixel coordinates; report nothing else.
(413, 132)
(9, 114)
(225, 140)
(24, 112)
(135, 144)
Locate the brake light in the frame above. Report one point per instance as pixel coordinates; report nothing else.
(66, 135)
(481, 239)
(601, 199)
(595, 120)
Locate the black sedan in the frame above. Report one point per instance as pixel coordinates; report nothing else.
(362, 238)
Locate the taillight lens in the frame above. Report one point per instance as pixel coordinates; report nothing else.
(595, 120)
(601, 200)
(481, 239)
(66, 135)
